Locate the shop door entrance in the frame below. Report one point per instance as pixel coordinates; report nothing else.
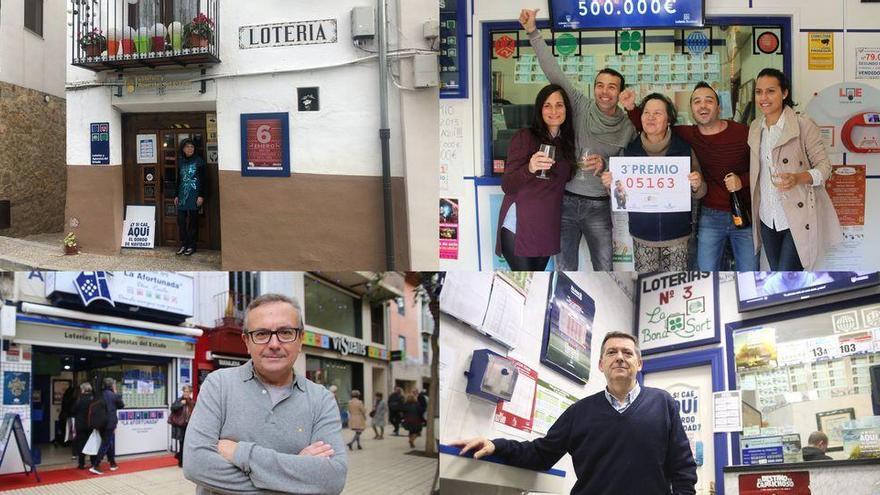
(151, 176)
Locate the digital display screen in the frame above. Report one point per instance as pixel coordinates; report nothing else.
(569, 15)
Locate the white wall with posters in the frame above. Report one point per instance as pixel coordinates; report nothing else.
(464, 169)
(465, 416)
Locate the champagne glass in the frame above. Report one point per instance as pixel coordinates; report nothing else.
(776, 180)
(582, 162)
(550, 151)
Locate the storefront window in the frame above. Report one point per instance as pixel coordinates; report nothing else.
(331, 309)
(377, 323)
(665, 61)
(345, 375)
(809, 374)
(141, 385)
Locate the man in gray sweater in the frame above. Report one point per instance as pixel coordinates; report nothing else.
(602, 128)
(260, 428)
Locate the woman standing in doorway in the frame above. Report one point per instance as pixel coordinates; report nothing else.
(190, 196)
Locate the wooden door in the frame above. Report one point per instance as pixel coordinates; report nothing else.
(167, 221)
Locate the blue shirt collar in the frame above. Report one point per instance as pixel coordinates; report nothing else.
(627, 401)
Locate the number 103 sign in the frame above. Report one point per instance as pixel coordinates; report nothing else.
(650, 184)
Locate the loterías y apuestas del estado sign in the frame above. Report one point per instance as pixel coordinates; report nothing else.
(287, 34)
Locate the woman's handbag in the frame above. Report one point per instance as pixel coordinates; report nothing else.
(178, 416)
(92, 444)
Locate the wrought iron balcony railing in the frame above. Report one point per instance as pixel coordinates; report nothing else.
(120, 34)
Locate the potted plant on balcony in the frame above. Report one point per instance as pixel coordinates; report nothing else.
(200, 32)
(70, 245)
(94, 42)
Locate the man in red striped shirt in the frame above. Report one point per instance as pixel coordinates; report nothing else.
(722, 148)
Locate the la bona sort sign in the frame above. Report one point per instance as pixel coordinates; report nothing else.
(676, 310)
(344, 345)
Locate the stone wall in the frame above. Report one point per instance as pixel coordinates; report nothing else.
(33, 175)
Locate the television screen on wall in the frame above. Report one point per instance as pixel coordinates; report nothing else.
(757, 290)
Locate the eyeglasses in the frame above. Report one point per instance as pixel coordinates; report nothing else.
(284, 334)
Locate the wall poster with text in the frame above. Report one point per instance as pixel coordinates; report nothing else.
(265, 144)
(568, 329)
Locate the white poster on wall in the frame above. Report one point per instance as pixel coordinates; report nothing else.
(676, 310)
(867, 63)
(146, 148)
(692, 390)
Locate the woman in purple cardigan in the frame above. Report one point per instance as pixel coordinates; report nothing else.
(531, 213)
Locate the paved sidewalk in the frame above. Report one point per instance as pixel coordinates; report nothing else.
(45, 252)
(384, 467)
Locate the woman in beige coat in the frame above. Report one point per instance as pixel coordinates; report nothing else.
(357, 418)
(793, 218)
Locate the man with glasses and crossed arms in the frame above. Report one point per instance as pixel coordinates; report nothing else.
(260, 427)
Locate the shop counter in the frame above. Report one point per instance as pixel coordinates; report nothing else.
(850, 477)
(464, 475)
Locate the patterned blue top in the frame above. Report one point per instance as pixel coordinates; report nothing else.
(190, 176)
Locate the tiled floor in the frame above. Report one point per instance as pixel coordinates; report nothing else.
(383, 467)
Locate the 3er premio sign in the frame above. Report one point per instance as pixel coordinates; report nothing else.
(264, 144)
(677, 310)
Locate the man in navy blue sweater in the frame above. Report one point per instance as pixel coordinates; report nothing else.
(625, 440)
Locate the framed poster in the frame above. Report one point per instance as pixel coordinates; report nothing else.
(146, 148)
(59, 386)
(265, 145)
(568, 329)
(676, 311)
(831, 424)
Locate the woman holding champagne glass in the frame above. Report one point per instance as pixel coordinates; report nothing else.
(539, 162)
(788, 169)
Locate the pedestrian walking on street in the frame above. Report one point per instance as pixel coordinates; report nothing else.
(380, 410)
(80, 413)
(113, 402)
(412, 417)
(357, 418)
(181, 411)
(395, 409)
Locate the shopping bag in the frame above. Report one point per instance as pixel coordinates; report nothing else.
(92, 444)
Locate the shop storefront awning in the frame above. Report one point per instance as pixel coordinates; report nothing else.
(42, 309)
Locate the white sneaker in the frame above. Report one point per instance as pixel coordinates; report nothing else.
(95, 471)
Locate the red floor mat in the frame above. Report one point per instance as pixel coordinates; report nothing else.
(18, 481)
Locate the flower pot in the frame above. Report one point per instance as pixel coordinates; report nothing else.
(69, 250)
(127, 47)
(112, 47)
(196, 41)
(143, 44)
(93, 50)
(158, 43)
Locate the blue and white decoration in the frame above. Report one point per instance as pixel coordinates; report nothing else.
(93, 286)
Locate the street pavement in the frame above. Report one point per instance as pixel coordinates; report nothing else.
(383, 467)
(45, 252)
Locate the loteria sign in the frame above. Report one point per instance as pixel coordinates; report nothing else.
(677, 310)
(287, 34)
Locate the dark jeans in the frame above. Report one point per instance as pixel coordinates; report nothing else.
(394, 418)
(179, 453)
(590, 218)
(520, 263)
(188, 227)
(716, 227)
(78, 443)
(108, 448)
(780, 250)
